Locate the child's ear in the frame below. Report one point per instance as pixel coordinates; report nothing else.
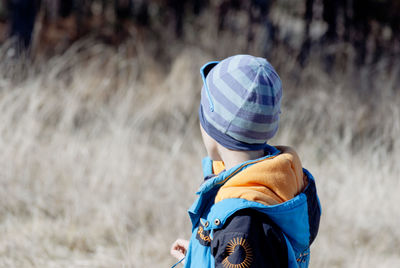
(211, 145)
(215, 153)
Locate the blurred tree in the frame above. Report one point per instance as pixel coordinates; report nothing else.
(123, 9)
(178, 9)
(22, 14)
(351, 21)
(257, 13)
(65, 8)
(370, 26)
(384, 13)
(142, 13)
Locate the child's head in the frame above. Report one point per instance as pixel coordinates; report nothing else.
(240, 102)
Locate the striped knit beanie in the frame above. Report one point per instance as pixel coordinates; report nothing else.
(240, 102)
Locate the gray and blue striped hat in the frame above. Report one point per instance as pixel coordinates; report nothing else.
(240, 102)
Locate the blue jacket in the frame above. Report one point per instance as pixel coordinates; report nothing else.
(297, 219)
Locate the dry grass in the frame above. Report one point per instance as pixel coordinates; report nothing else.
(100, 158)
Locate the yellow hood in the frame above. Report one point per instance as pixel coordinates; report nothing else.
(270, 182)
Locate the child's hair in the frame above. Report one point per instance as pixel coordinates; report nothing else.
(240, 102)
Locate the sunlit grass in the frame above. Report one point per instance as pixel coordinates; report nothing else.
(100, 159)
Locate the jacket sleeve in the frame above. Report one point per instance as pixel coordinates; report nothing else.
(249, 239)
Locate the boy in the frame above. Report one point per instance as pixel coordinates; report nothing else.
(257, 206)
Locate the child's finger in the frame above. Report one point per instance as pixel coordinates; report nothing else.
(177, 254)
(182, 243)
(179, 248)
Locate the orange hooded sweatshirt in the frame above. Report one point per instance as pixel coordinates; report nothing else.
(270, 181)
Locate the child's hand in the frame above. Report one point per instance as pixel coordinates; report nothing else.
(179, 248)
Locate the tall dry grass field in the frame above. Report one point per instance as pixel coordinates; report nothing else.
(100, 159)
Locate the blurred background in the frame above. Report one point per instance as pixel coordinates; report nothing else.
(100, 149)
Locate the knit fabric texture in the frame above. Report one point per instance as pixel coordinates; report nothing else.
(240, 102)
